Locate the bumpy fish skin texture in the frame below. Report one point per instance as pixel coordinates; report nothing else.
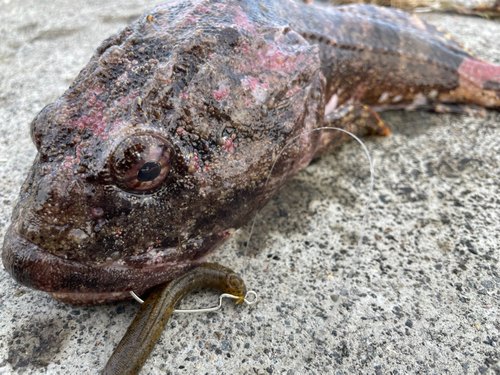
(162, 145)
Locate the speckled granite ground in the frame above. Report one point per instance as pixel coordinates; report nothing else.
(425, 295)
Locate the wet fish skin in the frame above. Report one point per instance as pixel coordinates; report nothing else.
(162, 145)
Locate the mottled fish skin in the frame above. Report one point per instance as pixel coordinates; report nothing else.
(161, 147)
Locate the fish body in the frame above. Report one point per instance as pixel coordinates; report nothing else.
(162, 145)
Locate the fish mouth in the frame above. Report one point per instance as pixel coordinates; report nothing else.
(76, 283)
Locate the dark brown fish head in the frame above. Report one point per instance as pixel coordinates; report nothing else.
(158, 151)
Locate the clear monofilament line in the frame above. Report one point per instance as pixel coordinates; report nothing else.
(347, 280)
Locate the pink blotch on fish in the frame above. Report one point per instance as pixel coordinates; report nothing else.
(202, 9)
(229, 145)
(242, 22)
(192, 19)
(275, 59)
(253, 83)
(222, 93)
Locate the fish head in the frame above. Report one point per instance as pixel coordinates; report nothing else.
(159, 150)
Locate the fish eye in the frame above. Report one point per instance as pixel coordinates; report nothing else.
(141, 163)
(149, 171)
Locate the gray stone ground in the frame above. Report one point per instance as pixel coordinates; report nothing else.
(426, 292)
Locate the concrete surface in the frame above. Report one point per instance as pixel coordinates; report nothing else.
(426, 292)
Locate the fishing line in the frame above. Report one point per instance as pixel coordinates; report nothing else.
(347, 280)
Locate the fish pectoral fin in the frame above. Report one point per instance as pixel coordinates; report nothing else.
(357, 119)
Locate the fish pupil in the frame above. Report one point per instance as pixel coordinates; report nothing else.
(149, 171)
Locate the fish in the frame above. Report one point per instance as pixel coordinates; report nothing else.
(162, 146)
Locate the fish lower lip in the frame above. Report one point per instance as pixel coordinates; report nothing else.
(32, 266)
